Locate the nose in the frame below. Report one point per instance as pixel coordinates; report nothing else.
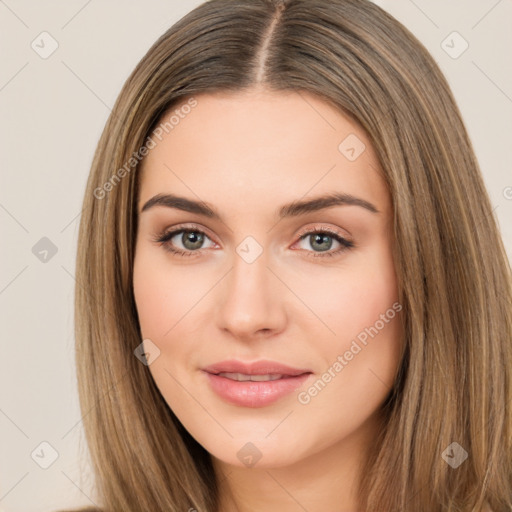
(251, 302)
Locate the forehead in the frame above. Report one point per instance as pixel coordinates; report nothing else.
(264, 146)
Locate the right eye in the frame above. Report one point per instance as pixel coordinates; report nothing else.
(191, 241)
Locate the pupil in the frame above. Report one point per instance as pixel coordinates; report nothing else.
(192, 240)
(321, 240)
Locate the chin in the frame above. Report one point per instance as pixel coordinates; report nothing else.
(251, 452)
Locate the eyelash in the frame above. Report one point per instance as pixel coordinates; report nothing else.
(166, 236)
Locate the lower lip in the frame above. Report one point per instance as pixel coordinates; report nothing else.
(252, 393)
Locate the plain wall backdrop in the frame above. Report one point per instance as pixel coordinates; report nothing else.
(54, 102)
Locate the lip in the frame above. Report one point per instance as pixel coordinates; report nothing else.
(256, 368)
(254, 393)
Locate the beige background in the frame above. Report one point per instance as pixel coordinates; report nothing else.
(52, 112)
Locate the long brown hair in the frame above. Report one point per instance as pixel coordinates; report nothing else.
(454, 383)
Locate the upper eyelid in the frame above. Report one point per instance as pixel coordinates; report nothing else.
(318, 227)
(186, 227)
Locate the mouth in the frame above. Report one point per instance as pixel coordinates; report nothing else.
(254, 384)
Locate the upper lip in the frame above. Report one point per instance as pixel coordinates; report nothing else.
(255, 368)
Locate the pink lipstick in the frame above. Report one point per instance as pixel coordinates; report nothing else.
(254, 384)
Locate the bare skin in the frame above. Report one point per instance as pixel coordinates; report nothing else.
(246, 155)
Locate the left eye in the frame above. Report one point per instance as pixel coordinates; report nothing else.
(192, 241)
(322, 241)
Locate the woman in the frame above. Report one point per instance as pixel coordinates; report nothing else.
(292, 291)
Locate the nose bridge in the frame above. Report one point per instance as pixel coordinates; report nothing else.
(250, 300)
(250, 271)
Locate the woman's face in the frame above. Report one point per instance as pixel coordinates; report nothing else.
(276, 201)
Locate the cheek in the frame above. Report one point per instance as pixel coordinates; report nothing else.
(359, 304)
(163, 294)
(351, 297)
(170, 301)
(151, 298)
(362, 359)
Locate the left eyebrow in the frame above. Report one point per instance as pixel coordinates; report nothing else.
(293, 209)
(326, 201)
